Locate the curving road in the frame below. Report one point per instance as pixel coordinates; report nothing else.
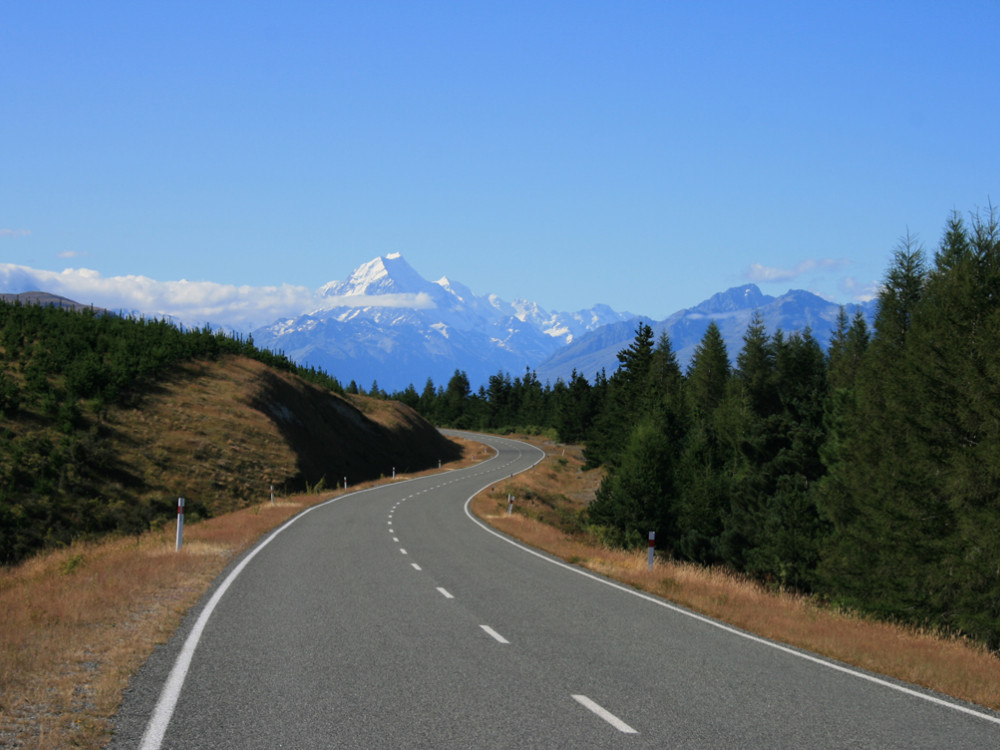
(390, 618)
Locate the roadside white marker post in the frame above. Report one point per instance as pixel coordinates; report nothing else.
(510, 504)
(180, 524)
(345, 484)
(652, 547)
(393, 472)
(272, 494)
(439, 463)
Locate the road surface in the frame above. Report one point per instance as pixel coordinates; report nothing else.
(390, 618)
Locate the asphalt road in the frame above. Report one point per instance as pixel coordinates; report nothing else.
(391, 619)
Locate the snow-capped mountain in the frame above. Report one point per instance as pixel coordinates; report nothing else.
(387, 324)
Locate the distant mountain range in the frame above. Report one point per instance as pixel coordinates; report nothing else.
(387, 324)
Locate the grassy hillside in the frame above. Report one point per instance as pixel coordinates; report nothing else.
(107, 421)
(220, 433)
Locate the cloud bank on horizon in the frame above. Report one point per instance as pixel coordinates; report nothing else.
(193, 303)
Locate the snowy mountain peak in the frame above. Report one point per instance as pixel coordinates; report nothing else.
(386, 274)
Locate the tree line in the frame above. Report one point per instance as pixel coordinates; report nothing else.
(867, 475)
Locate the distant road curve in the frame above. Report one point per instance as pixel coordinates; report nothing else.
(390, 618)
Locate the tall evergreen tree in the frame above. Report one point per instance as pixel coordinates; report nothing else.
(708, 373)
(428, 403)
(575, 411)
(665, 377)
(623, 399)
(704, 468)
(455, 401)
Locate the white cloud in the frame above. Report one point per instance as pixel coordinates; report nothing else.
(764, 274)
(72, 254)
(191, 302)
(14, 232)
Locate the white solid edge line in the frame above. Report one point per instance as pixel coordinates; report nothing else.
(156, 728)
(609, 717)
(720, 625)
(494, 634)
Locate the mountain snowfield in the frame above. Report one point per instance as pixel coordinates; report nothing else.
(388, 325)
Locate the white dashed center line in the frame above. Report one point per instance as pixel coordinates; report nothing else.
(609, 717)
(494, 634)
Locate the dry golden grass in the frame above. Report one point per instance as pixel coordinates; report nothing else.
(548, 502)
(197, 435)
(76, 623)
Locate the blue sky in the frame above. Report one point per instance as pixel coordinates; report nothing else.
(640, 154)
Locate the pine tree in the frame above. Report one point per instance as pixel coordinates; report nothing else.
(575, 410)
(635, 360)
(455, 401)
(428, 405)
(708, 373)
(704, 463)
(623, 400)
(500, 396)
(755, 434)
(665, 378)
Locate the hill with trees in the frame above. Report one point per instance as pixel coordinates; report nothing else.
(107, 420)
